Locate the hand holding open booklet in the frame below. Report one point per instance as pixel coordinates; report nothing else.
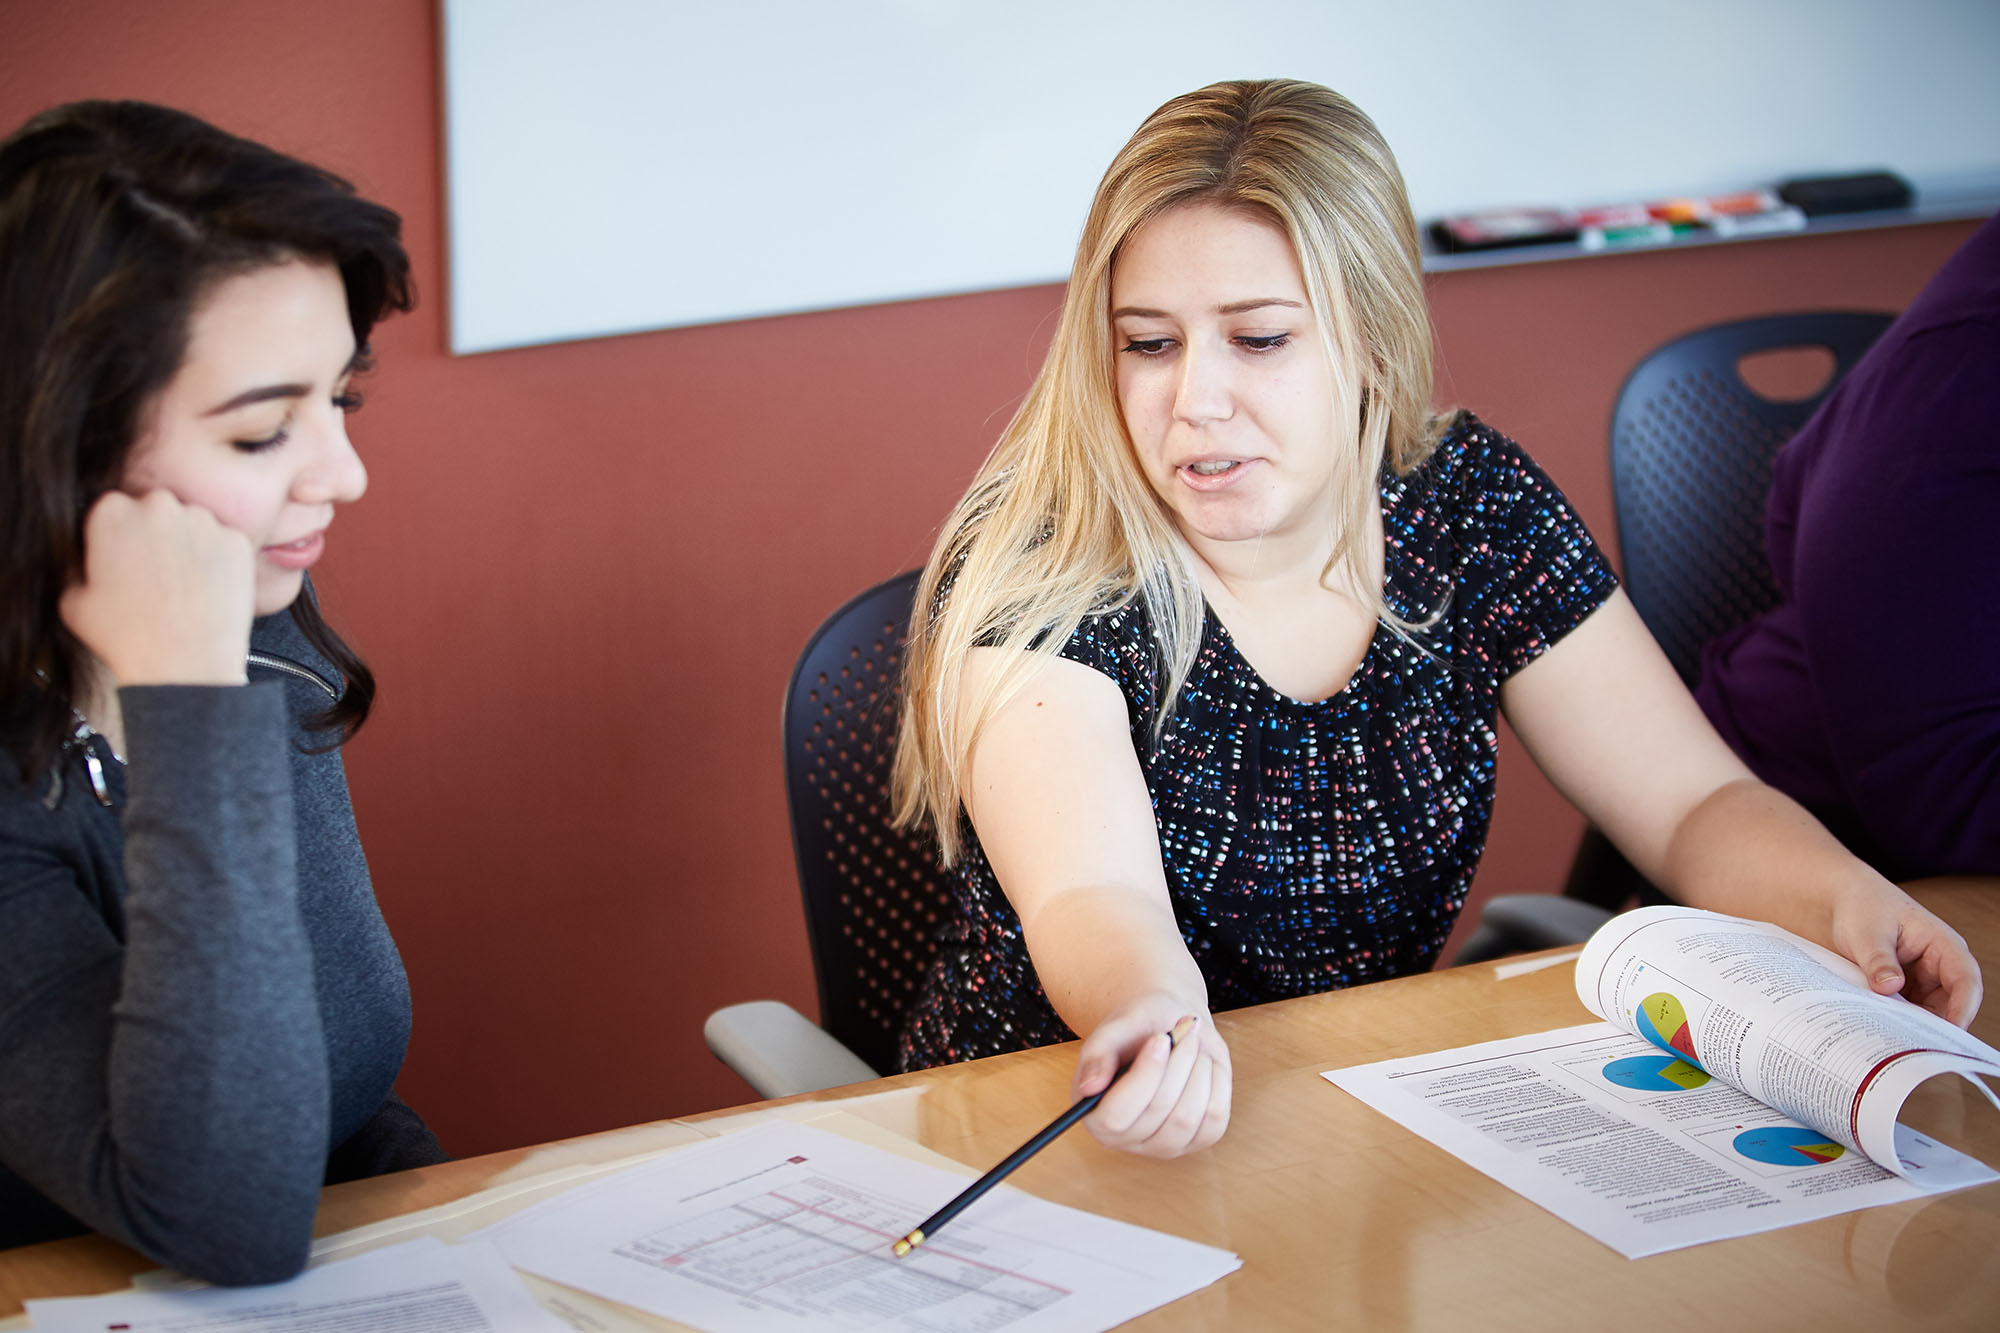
(1790, 1023)
(1744, 1079)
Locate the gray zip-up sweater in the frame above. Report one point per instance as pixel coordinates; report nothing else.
(201, 1010)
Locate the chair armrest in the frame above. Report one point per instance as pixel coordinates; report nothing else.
(1524, 922)
(777, 1052)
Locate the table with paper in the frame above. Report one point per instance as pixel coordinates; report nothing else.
(789, 1227)
(777, 1224)
(422, 1286)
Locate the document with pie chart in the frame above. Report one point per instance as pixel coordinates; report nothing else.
(1743, 1080)
(1790, 1023)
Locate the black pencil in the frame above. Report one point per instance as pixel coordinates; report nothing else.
(971, 1193)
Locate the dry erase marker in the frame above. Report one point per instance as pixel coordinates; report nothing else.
(1784, 218)
(1680, 210)
(1614, 215)
(1625, 238)
(1744, 202)
(1049, 1135)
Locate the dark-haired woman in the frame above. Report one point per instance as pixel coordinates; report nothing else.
(201, 1011)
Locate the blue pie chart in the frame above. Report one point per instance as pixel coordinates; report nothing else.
(1787, 1145)
(1655, 1073)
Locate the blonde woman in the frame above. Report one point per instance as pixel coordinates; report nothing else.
(1202, 687)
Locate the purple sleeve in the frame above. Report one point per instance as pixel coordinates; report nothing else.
(1896, 574)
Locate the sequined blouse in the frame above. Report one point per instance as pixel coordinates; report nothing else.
(1312, 845)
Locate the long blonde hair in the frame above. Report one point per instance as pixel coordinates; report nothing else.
(1059, 523)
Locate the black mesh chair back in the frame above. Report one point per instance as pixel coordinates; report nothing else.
(1691, 453)
(874, 894)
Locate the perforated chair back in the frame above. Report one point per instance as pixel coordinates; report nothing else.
(1691, 452)
(874, 894)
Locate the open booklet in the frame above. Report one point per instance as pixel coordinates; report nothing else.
(1784, 1020)
(1744, 1079)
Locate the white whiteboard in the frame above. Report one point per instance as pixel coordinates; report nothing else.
(620, 165)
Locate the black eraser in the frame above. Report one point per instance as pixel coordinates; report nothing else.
(1859, 193)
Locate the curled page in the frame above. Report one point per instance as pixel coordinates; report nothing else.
(1782, 1019)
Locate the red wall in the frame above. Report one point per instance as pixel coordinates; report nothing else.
(582, 572)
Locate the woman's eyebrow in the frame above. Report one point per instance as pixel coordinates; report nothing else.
(263, 393)
(1233, 308)
(1257, 303)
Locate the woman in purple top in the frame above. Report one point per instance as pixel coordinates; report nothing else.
(1871, 694)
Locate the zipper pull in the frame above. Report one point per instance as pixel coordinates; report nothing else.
(92, 765)
(95, 767)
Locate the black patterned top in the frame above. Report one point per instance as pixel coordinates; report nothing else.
(1310, 846)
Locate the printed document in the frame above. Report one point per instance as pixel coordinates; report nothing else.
(1745, 1080)
(424, 1286)
(787, 1227)
(1790, 1023)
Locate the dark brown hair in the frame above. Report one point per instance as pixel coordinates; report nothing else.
(115, 218)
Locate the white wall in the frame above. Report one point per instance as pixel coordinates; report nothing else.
(618, 165)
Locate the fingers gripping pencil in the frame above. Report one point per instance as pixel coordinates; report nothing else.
(1050, 1134)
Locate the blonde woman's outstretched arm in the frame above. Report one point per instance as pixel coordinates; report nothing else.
(1061, 808)
(1608, 720)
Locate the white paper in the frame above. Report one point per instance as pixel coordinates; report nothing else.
(424, 1286)
(1635, 1146)
(1790, 1023)
(787, 1227)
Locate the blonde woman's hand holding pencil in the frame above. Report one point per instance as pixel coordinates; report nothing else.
(974, 1192)
(1174, 1097)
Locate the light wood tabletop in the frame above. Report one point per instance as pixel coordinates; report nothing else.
(1345, 1219)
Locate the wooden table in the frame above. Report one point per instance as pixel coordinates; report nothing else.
(1346, 1220)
